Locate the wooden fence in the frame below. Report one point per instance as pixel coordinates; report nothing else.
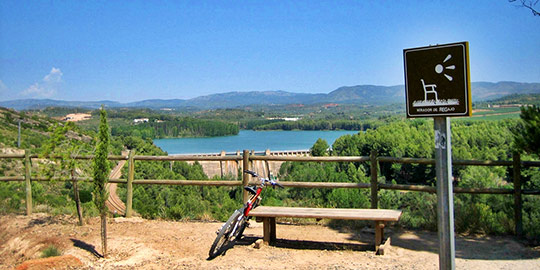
(246, 158)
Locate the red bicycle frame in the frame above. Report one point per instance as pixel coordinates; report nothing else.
(252, 201)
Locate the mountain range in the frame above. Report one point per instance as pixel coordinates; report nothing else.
(359, 94)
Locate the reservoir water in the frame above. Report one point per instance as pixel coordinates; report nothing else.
(249, 140)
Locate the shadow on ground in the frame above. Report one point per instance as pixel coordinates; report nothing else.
(312, 245)
(42, 220)
(318, 245)
(299, 244)
(85, 246)
(467, 247)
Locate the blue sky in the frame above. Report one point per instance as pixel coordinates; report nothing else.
(134, 50)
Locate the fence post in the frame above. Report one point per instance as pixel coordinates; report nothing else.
(76, 196)
(268, 153)
(221, 154)
(27, 175)
(518, 204)
(238, 172)
(245, 176)
(131, 175)
(374, 183)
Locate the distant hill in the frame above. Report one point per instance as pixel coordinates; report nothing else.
(155, 103)
(487, 91)
(359, 94)
(236, 99)
(367, 94)
(529, 99)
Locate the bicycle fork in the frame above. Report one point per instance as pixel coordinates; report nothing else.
(232, 234)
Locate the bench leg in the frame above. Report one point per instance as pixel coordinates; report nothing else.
(379, 235)
(269, 230)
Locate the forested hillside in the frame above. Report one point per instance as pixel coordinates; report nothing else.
(150, 124)
(33, 129)
(318, 125)
(176, 127)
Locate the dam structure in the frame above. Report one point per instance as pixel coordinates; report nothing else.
(233, 168)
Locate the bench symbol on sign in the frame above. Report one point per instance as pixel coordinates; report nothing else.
(432, 88)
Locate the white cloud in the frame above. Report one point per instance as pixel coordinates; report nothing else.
(54, 76)
(47, 87)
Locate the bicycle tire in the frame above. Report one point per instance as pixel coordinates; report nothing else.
(223, 236)
(244, 224)
(241, 229)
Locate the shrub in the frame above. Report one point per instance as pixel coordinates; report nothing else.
(50, 251)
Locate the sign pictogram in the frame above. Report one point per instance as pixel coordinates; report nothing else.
(437, 81)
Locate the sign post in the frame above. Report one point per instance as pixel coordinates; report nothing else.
(437, 84)
(445, 195)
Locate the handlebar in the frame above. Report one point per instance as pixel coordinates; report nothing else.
(252, 173)
(279, 185)
(264, 180)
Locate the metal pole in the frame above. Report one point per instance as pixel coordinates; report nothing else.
(445, 197)
(19, 136)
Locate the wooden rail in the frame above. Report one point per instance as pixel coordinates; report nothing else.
(247, 158)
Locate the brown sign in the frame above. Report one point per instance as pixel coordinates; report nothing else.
(437, 80)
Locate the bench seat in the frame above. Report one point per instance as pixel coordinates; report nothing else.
(380, 216)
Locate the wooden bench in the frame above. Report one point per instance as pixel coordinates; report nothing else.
(380, 216)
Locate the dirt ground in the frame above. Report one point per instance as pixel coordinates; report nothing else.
(76, 117)
(150, 244)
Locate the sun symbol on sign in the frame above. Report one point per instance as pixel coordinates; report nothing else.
(440, 68)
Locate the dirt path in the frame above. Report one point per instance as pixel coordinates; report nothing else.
(114, 203)
(148, 244)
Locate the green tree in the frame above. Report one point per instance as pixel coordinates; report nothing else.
(527, 133)
(101, 174)
(61, 148)
(320, 148)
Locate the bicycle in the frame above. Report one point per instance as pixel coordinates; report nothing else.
(233, 229)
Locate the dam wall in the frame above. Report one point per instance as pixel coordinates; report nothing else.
(233, 168)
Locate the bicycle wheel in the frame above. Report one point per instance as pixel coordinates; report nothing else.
(240, 231)
(223, 237)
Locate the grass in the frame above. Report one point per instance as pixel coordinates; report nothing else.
(50, 251)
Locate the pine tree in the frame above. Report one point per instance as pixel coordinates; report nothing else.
(320, 148)
(527, 135)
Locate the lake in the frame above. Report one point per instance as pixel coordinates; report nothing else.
(249, 140)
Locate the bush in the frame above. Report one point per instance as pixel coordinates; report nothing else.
(12, 195)
(50, 251)
(420, 210)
